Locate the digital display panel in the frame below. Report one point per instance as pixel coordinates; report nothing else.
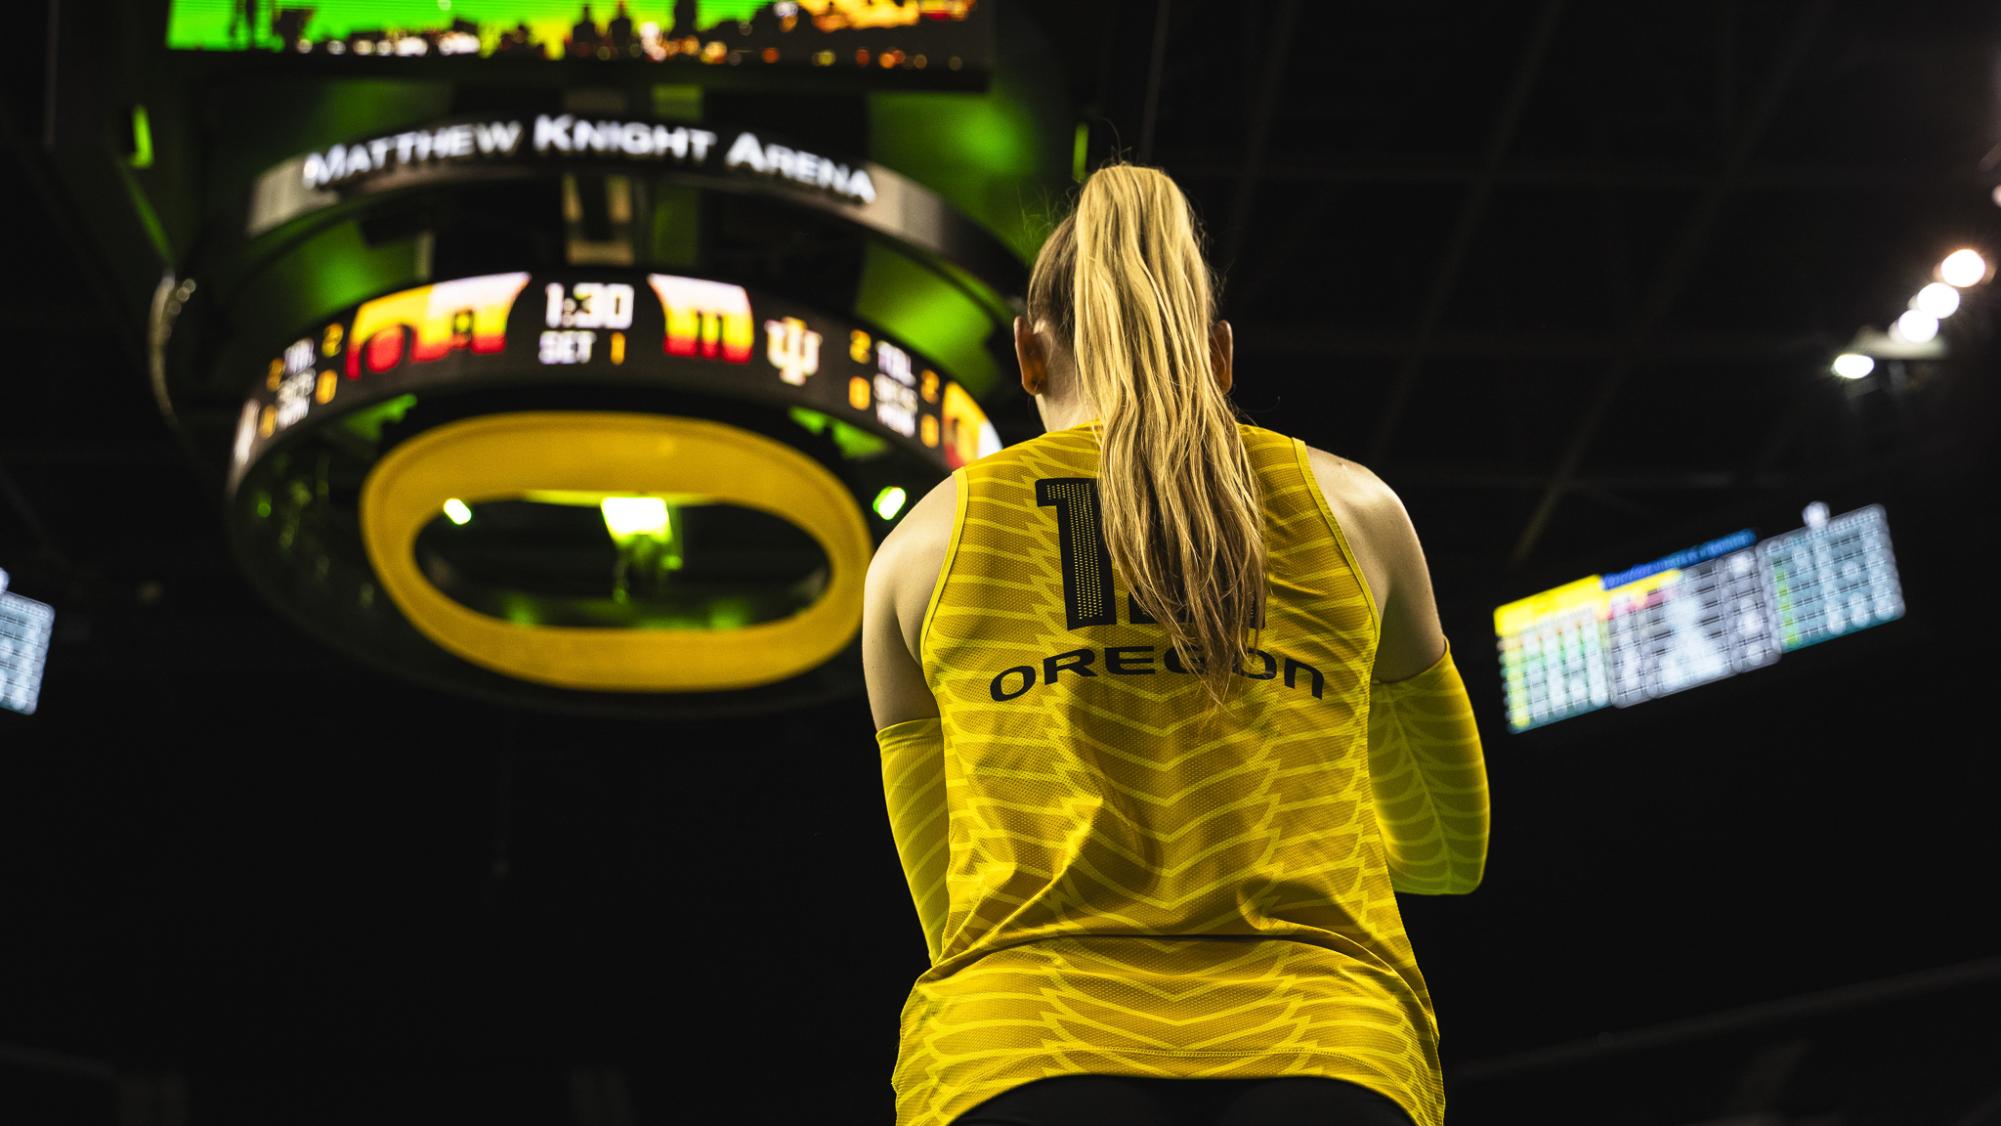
(658, 329)
(1832, 580)
(1712, 611)
(25, 626)
(941, 39)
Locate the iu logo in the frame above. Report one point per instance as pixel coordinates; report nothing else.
(792, 348)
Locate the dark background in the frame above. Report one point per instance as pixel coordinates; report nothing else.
(1567, 276)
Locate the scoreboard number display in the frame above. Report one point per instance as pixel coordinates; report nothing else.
(25, 628)
(664, 330)
(1697, 616)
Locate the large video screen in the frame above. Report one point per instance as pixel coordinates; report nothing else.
(941, 38)
(1724, 607)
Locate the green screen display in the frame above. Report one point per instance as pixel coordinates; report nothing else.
(948, 35)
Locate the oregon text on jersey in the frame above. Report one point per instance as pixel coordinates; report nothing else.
(1140, 660)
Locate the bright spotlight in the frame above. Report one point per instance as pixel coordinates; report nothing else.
(1917, 326)
(1938, 299)
(1963, 267)
(1853, 365)
(631, 517)
(889, 502)
(457, 511)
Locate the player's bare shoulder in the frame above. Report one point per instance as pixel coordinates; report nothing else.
(932, 512)
(1351, 488)
(1368, 511)
(907, 563)
(1338, 473)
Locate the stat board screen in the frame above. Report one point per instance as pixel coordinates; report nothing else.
(25, 625)
(1727, 606)
(646, 329)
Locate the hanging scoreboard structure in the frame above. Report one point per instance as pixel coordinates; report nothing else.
(1727, 606)
(444, 478)
(568, 357)
(465, 457)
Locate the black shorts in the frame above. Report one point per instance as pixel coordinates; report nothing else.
(1120, 1100)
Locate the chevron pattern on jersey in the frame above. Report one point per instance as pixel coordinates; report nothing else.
(1113, 887)
(913, 785)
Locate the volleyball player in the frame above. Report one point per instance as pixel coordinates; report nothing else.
(1166, 719)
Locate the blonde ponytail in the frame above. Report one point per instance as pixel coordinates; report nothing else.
(1124, 284)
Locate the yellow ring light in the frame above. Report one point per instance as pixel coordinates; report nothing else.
(498, 457)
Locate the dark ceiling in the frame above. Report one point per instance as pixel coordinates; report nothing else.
(1567, 276)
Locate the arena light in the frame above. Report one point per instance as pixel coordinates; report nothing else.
(1853, 365)
(142, 139)
(632, 517)
(1916, 326)
(1938, 299)
(889, 502)
(1963, 267)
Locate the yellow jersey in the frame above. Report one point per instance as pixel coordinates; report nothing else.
(1105, 888)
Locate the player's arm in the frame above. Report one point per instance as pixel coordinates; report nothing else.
(1427, 772)
(894, 597)
(908, 731)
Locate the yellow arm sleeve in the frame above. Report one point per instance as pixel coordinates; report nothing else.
(1429, 781)
(913, 786)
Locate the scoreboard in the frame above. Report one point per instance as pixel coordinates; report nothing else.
(621, 329)
(25, 625)
(513, 388)
(1712, 611)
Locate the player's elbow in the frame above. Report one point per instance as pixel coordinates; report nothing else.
(1466, 879)
(1467, 843)
(1459, 879)
(1449, 859)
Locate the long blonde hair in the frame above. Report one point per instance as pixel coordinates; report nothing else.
(1123, 281)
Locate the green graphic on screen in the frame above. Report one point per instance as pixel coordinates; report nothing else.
(882, 34)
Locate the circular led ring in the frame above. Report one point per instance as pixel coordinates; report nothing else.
(499, 457)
